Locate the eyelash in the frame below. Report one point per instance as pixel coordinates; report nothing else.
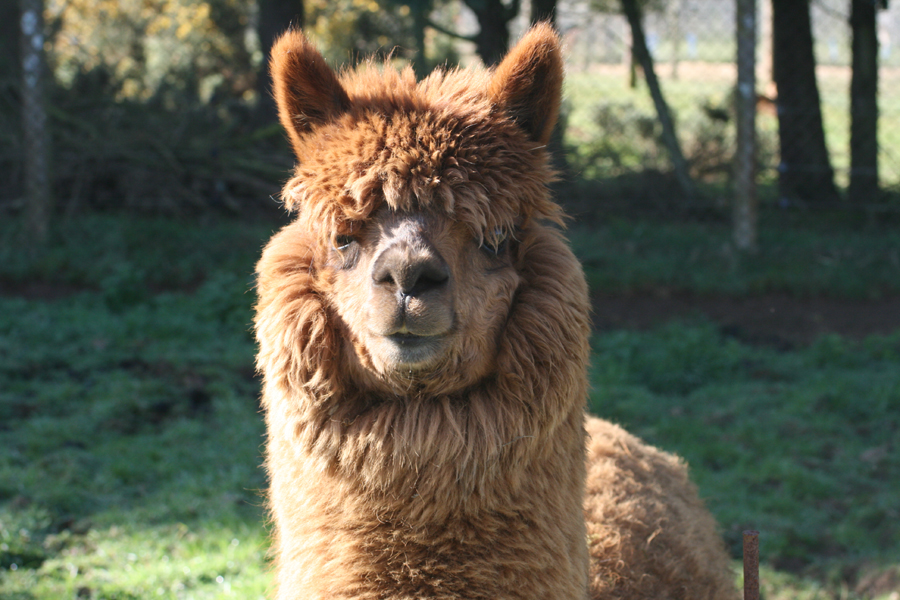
(500, 241)
(343, 242)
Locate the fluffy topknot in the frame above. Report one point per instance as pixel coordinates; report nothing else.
(469, 143)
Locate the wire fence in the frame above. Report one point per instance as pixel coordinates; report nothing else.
(693, 42)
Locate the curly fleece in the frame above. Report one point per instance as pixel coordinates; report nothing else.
(447, 487)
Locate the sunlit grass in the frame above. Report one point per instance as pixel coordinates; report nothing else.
(208, 559)
(711, 84)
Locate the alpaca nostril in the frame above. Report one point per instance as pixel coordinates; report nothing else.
(383, 275)
(425, 276)
(410, 276)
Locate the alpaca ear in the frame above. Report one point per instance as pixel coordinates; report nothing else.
(528, 82)
(306, 90)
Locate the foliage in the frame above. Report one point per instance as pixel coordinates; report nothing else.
(209, 47)
(152, 108)
(349, 30)
(154, 105)
(631, 138)
(613, 130)
(169, 153)
(609, 137)
(148, 156)
(146, 45)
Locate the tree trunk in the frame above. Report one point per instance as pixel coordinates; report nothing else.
(674, 11)
(34, 119)
(10, 64)
(764, 77)
(275, 16)
(864, 103)
(642, 55)
(745, 206)
(10, 77)
(492, 39)
(543, 10)
(805, 171)
(420, 10)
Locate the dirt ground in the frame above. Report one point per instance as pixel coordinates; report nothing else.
(775, 320)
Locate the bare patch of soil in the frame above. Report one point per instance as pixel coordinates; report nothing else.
(777, 320)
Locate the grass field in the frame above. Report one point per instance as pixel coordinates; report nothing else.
(799, 254)
(131, 434)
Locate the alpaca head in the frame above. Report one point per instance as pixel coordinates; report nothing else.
(422, 296)
(415, 202)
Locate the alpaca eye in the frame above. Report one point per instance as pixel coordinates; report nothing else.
(343, 242)
(495, 243)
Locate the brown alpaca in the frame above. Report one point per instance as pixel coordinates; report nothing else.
(423, 335)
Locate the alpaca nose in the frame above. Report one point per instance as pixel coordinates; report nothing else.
(409, 271)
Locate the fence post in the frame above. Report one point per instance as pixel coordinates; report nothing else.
(751, 565)
(34, 119)
(745, 202)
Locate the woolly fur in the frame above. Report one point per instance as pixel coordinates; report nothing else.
(465, 481)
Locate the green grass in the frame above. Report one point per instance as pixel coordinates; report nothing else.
(134, 442)
(131, 432)
(801, 255)
(128, 414)
(800, 445)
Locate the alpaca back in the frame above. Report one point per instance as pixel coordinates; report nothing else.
(649, 533)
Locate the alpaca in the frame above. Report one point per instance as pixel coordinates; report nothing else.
(423, 334)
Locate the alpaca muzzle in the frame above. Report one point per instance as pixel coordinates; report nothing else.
(411, 300)
(410, 271)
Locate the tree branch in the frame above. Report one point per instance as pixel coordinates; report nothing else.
(453, 34)
(511, 11)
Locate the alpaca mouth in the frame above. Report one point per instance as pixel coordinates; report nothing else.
(409, 350)
(410, 339)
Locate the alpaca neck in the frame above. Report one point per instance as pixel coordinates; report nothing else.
(382, 520)
(454, 539)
